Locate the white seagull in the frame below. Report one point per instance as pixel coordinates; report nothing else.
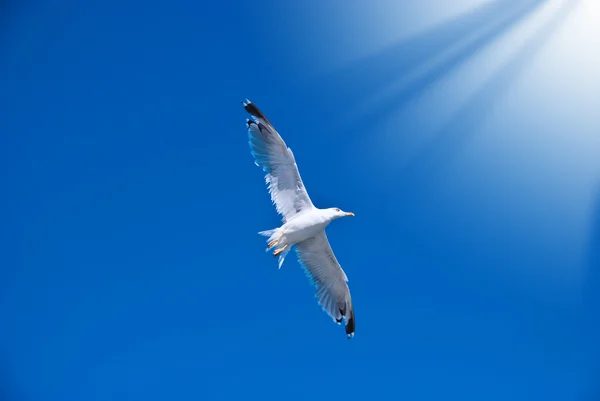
(304, 224)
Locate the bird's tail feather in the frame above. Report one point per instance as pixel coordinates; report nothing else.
(271, 235)
(267, 233)
(282, 256)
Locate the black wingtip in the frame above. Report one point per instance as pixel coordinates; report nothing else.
(253, 110)
(350, 325)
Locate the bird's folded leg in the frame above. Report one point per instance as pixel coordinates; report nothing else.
(279, 250)
(272, 243)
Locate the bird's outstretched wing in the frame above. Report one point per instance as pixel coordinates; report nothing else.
(326, 274)
(277, 160)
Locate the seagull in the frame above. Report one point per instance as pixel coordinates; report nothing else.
(303, 223)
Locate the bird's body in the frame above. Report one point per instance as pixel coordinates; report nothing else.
(304, 224)
(301, 227)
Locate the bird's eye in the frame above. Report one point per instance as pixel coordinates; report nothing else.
(337, 209)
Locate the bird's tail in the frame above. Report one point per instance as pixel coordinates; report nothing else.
(271, 236)
(267, 233)
(282, 256)
(273, 240)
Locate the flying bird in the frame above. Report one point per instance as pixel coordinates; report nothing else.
(303, 224)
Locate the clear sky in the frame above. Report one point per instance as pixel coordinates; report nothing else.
(464, 136)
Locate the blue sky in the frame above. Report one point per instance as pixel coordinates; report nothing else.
(464, 137)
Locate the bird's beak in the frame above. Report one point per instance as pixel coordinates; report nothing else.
(350, 214)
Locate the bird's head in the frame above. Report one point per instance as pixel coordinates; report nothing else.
(336, 213)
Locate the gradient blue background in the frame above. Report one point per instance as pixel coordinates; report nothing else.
(465, 137)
